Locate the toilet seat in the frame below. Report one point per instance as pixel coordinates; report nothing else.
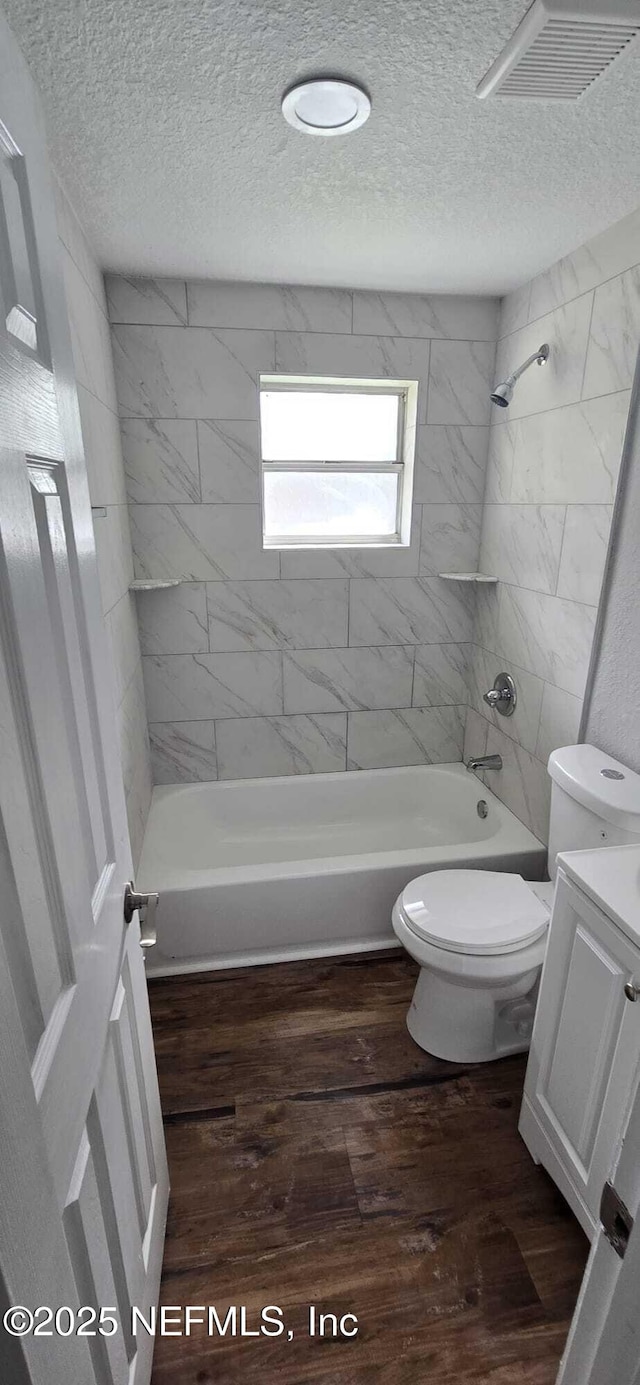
(477, 912)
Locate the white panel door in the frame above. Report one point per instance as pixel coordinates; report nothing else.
(83, 1177)
(603, 1346)
(585, 1049)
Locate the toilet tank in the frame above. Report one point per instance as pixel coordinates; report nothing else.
(595, 801)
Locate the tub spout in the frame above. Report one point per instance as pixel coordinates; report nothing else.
(484, 762)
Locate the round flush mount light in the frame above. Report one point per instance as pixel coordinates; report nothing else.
(326, 107)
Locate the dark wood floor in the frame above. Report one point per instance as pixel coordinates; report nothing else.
(317, 1156)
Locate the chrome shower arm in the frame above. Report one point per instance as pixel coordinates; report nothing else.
(541, 355)
(503, 393)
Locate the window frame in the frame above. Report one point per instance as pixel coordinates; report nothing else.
(406, 392)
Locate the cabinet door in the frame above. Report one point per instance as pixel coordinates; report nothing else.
(585, 1047)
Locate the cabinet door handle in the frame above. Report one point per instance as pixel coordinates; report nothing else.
(632, 991)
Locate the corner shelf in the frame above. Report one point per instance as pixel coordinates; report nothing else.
(467, 577)
(144, 584)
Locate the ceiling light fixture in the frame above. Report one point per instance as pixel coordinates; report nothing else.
(326, 107)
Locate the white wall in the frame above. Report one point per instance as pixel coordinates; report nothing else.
(263, 663)
(612, 712)
(553, 464)
(98, 411)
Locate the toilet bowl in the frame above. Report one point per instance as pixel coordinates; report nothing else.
(480, 938)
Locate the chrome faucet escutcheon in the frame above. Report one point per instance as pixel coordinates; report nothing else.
(502, 697)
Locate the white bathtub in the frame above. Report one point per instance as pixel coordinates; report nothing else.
(266, 870)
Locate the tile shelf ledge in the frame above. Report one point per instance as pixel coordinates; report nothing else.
(467, 577)
(151, 584)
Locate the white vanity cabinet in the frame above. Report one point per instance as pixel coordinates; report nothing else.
(585, 1051)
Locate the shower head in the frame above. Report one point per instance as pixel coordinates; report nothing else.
(503, 393)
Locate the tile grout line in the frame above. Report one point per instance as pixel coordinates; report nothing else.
(346, 334)
(310, 649)
(564, 535)
(547, 504)
(588, 346)
(539, 720)
(496, 654)
(200, 501)
(555, 408)
(451, 423)
(344, 711)
(531, 321)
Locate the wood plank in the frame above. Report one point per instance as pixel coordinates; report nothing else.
(318, 1156)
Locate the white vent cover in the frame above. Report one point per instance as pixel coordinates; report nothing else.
(560, 48)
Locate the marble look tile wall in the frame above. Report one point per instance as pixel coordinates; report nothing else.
(550, 486)
(101, 434)
(263, 663)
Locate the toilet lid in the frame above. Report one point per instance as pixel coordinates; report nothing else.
(475, 911)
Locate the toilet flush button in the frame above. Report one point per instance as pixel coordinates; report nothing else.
(611, 773)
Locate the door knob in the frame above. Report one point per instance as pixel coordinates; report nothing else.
(145, 905)
(632, 991)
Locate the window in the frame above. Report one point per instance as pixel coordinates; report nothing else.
(337, 461)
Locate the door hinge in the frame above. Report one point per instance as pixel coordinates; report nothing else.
(617, 1221)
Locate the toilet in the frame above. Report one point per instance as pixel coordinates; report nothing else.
(480, 936)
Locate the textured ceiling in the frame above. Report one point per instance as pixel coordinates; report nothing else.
(166, 131)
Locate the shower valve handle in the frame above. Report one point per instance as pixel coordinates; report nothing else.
(502, 697)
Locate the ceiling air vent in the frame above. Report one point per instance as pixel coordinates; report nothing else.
(560, 48)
